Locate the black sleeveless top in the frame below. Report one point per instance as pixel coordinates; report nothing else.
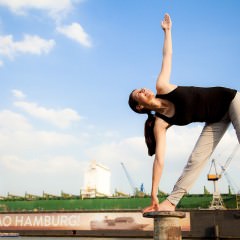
(197, 104)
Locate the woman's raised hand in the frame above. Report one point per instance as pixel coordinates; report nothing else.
(166, 23)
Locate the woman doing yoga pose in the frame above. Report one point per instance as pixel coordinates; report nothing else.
(182, 105)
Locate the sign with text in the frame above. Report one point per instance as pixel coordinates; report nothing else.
(81, 221)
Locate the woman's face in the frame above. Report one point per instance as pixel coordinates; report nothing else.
(143, 96)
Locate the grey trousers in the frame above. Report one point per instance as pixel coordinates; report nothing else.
(207, 142)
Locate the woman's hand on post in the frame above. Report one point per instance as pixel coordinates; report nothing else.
(166, 23)
(153, 207)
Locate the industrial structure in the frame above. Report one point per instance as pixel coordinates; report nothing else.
(96, 181)
(217, 202)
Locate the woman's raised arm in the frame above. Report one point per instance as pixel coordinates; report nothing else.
(162, 84)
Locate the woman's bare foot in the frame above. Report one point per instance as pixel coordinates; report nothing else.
(166, 206)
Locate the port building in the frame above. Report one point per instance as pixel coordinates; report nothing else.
(97, 181)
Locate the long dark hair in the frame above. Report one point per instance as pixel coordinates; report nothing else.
(149, 124)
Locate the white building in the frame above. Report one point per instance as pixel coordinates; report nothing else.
(96, 181)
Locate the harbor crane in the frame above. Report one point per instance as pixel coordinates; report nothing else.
(135, 190)
(217, 202)
(234, 188)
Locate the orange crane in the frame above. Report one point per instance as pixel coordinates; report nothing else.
(215, 176)
(217, 200)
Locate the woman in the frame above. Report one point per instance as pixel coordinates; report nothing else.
(179, 105)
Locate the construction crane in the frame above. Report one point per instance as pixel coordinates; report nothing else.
(230, 159)
(215, 177)
(217, 200)
(135, 190)
(224, 168)
(234, 188)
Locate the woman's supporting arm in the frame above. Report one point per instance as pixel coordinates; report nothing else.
(160, 129)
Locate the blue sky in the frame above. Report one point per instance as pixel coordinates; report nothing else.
(66, 70)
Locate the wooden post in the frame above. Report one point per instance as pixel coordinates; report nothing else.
(166, 224)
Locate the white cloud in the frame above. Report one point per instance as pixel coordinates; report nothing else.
(29, 45)
(37, 156)
(10, 121)
(133, 152)
(18, 94)
(50, 174)
(31, 156)
(17, 133)
(55, 8)
(75, 32)
(50, 165)
(61, 118)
